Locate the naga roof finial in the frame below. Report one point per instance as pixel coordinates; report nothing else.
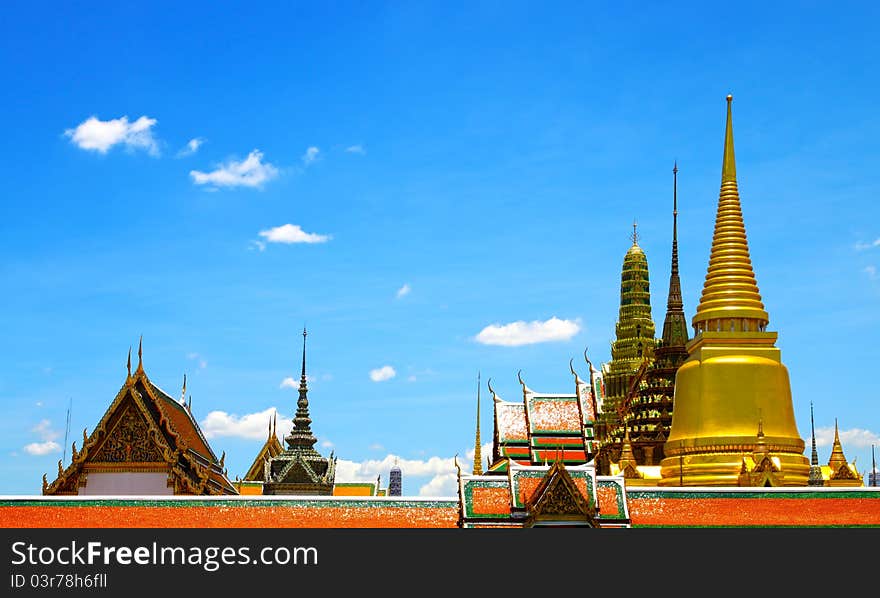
(183, 392)
(492, 390)
(128, 363)
(526, 389)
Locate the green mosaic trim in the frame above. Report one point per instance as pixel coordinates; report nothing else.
(245, 503)
(753, 526)
(574, 440)
(636, 494)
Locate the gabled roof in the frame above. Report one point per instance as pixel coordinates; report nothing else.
(271, 448)
(162, 433)
(558, 500)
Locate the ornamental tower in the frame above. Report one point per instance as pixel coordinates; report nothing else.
(633, 346)
(733, 379)
(652, 409)
(300, 469)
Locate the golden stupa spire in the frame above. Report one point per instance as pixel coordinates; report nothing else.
(734, 375)
(730, 300)
(478, 458)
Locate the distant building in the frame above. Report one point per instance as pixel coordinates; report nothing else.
(395, 485)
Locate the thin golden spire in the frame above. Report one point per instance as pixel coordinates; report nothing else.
(478, 458)
(128, 363)
(730, 293)
(183, 392)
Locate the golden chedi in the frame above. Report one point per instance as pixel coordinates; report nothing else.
(733, 377)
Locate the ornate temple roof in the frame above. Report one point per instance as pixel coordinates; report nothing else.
(544, 426)
(519, 497)
(145, 429)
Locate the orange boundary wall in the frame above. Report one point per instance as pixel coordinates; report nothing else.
(826, 507)
(244, 512)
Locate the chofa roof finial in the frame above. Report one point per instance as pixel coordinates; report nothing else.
(140, 367)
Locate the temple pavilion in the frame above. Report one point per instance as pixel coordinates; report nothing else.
(147, 443)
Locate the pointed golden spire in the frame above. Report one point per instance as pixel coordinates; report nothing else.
(837, 457)
(183, 392)
(128, 363)
(478, 458)
(730, 293)
(728, 162)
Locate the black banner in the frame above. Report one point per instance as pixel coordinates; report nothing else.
(175, 562)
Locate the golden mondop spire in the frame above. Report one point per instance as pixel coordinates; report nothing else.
(733, 377)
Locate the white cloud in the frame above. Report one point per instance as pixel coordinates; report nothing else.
(311, 155)
(203, 363)
(368, 470)
(44, 430)
(386, 372)
(250, 172)
(42, 448)
(251, 425)
(192, 146)
(327, 444)
(356, 149)
(855, 438)
(411, 378)
(444, 484)
(48, 445)
(100, 135)
(260, 245)
(291, 233)
(871, 271)
(404, 290)
(440, 470)
(862, 246)
(528, 333)
(376, 447)
(288, 382)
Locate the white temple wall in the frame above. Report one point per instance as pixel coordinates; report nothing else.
(126, 483)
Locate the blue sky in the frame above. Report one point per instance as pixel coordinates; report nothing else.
(488, 159)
